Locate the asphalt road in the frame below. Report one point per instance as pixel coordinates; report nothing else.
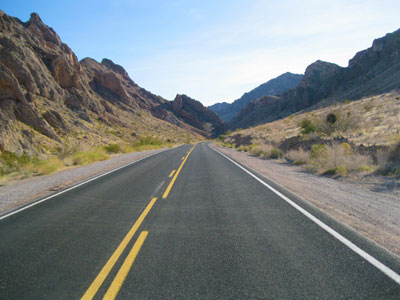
(207, 230)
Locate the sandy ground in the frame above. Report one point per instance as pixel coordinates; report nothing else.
(370, 205)
(21, 192)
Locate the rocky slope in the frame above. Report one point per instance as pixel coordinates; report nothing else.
(373, 71)
(193, 113)
(48, 99)
(274, 87)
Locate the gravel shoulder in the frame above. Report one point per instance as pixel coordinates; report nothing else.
(22, 192)
(370, 205)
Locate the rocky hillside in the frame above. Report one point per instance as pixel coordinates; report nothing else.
(274, 87)
(192, 112)
(373, 71)
(49, 99)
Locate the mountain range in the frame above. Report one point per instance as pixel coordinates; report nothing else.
(273, 87)
(373, 71)
(48, 98)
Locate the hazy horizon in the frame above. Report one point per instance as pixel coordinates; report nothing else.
(213, 52)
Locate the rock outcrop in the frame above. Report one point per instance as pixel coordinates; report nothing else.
(50, 96)
(193, 113)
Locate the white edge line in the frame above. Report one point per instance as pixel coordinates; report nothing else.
(389, 272)
(75, 186)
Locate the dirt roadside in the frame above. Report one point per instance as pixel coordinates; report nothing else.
(371, 206)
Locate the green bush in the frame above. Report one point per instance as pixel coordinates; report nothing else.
(87, 157)
(112, 148)
(336, 122)
(276, 153)
(148, 140)
(307, 126)
(10, 162)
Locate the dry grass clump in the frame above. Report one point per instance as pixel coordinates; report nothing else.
(45, 167)
(298, 157)
(266, 151)
(82, 158)
(337, 160)
(389, 161)
(13, 166)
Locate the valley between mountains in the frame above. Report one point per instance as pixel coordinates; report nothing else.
(108, 190)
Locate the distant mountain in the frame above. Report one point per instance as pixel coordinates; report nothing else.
(192, 112)
(373, 71)
(273, 87)
(49, 99)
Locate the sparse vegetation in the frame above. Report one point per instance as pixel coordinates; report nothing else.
(354, 137)
(112, 148)
(298, 157)
(307, 126)
(14, 166)
(81, 158)
(389, 162)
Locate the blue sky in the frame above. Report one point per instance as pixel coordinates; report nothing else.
(213, 50)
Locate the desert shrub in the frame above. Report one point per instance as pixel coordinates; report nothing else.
(64, 150)
(276, 154)
(337, 160)
(346, 148)
(256, 151)
(246, 148)
(11, 162)
(298, 157)
(45, 167)
(331, 118)
(318, 150)
(336, 122)
(87, 157)
(149, 140)
(307, 126)
(266, 150)
(127, 149)
(390, 162)
(112, 148)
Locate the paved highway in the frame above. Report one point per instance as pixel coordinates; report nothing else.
(187, 223)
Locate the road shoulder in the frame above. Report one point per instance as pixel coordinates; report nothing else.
(373, 214)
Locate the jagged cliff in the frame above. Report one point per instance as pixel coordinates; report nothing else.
(49, 98)
(373, 71)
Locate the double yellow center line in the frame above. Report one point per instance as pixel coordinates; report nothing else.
(98, 281)
(123, 271)
(171, 184)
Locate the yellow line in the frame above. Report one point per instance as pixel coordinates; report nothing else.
(165, 195)
(172, 173)
(183, 157)
(94, 287)
(126, 266)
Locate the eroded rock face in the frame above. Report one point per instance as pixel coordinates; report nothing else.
(47, 93)
(197, 115)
